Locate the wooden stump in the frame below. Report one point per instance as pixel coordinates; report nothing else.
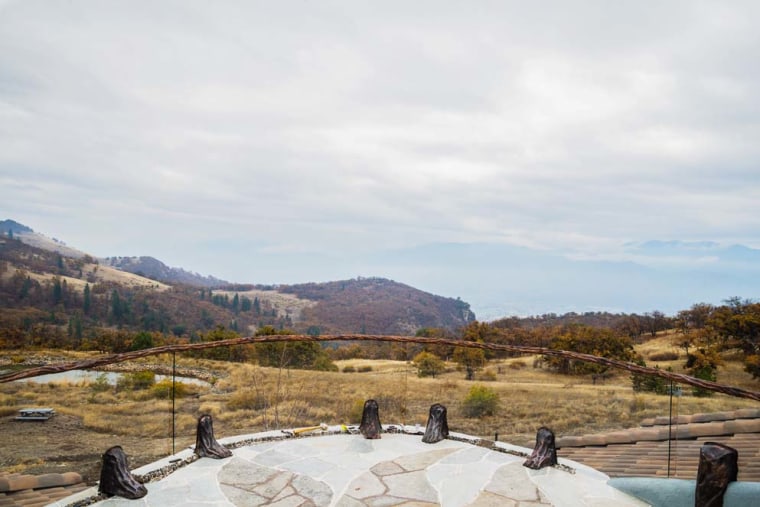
(115, 478)
(370, 426)
(718, 466)
(206, 445)
(437, 428)
(544, 453)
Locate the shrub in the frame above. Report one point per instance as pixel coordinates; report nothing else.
(100, 384)
(664, 356)
(487, 376)
(349, 369)
(517, 365)
(136, 380)
(648, 383)
(142, 340)
(324, 363)
(703, 364)
(752, 365)
(705, 372)
(480, 401)
(163, 389)
(428, 365)
(364, 369)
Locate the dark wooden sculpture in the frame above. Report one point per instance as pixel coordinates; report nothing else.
(370, 426)
(115, 478)
(437, 427)
(205, 444)
(544, 453)
(718, 466)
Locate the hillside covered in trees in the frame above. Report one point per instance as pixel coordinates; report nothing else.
(377, 306)
(50, 299)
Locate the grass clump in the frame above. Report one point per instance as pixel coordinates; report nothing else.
(481, 401)
(136, 381)
(247, 399)
(100, 384)
(163, 389)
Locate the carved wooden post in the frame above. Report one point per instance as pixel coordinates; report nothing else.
(370, 426)
(205, 444)
(115, 478)
(717, 467)
(437, 427)
(544, 453)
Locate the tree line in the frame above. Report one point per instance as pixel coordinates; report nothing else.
(73, 310)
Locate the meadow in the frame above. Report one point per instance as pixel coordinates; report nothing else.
(245, 398)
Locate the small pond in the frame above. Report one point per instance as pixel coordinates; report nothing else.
(75, 376)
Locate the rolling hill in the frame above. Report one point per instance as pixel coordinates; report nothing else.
(60, 293)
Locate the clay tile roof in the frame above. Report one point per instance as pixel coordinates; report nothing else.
(22, 490)
(643, 451)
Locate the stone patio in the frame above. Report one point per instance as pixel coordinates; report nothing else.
(346, 470)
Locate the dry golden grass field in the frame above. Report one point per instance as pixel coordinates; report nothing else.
(245, 398)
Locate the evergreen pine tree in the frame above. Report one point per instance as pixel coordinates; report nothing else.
(57, 291)
(86, 303)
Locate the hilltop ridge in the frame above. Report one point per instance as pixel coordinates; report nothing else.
(65, 291)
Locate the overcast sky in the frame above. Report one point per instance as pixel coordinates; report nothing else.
(207, 133)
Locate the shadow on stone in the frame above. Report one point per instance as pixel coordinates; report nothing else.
(437, 428)
(205, 444)
(544, 453)
(718, 466)
(370, 426)
(115, 478)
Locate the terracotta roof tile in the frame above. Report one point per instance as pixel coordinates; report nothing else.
(646, 454)
(22, 490)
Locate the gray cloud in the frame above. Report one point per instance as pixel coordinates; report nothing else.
(314, 126)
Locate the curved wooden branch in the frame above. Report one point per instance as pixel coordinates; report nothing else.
(252, 340)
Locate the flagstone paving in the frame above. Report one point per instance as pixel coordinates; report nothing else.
(344, 470)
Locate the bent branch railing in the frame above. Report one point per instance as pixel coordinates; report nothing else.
(252, 340)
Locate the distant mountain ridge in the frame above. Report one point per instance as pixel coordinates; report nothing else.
(146, 266)
(688, 254)
(500, 279)
(39, 276)
(13, 227)
(150, 267)
(378, 304)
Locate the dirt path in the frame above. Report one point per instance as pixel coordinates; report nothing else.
(63, 444)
